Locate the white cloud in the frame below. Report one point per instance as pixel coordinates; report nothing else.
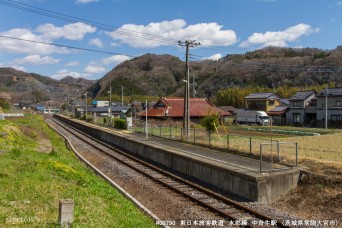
(98, 67)
(71, 64)
(114, 60)
(214, 57)
(13, 66)
(64, 73)
(74, 31)
(113, 44)
(96, 42)
(94, 69)
(45, 33)
(19, 68)
(167, 33)
(85, 1)
(36, 60)
(19, 46)
(279, 38)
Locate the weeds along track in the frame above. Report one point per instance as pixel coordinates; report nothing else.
(174, 200)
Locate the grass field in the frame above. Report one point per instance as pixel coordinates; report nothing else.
(33, 178)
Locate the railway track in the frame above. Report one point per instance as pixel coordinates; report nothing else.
(233, 213)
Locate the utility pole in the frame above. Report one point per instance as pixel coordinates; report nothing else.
(146, 126)
(122, 103)
(110, 105)
(67, 104)
(326, 107)
(186, 113)
(86, 104)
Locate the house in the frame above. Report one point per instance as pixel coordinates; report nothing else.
(302, 108)
(334, 108)
(284, 102)
(278, 115)
(174, 108)
(230, 109)
(262, 101)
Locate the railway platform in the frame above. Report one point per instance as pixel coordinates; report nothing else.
(227, 173)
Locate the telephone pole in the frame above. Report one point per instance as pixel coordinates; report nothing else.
(186, 113)
(122, 96)
(326, 107)
(110, 105)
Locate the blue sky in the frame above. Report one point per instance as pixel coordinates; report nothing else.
(129, 28)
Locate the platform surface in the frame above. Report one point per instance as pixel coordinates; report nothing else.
(207, 154)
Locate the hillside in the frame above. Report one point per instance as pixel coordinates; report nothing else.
(26, 87)
(162, 75)
(269, 67)
(145, 75)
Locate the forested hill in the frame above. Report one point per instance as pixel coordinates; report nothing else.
(272, 67)
(21, 86)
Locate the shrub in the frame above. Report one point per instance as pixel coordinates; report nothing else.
(210, 121)
(120, 123)
(4, 104)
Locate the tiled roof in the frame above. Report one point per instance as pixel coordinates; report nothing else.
(279, 109)
(262, 96)
(331, 91)
(227, 108)
(174, 107)
(285, 101)
(302, 95)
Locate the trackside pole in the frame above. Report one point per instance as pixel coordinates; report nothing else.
(146, 127)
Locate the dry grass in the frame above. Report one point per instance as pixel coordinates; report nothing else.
(321, 154)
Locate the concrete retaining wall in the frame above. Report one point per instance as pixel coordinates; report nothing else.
(253, 186)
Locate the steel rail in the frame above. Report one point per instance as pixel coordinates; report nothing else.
(211, 193)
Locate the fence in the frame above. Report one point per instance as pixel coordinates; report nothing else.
(266, 149)
(289, 148)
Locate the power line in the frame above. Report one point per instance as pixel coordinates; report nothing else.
(64, 46)
(244, 66)
(100, 26)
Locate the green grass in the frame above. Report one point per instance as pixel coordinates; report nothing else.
(32, 184)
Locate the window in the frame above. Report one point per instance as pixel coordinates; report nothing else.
(257, 105)
(271, 102)
(296, 104)
(336, 117)
(338, 104)
(313, 103)
(296, 118)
